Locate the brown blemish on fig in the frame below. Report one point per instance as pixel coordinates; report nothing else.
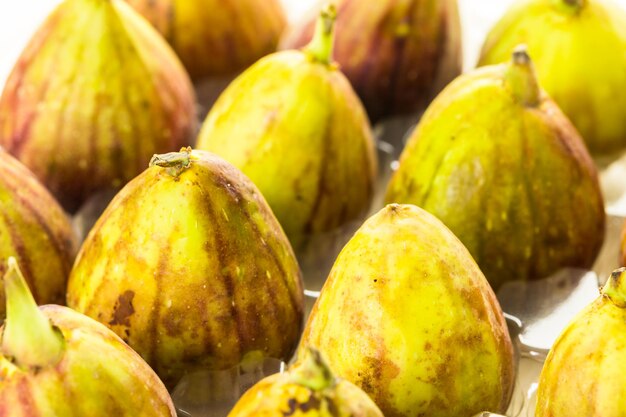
(123, 309)
(312, 403)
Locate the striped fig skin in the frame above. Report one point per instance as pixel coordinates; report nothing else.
(192, 271)
(407, 316)
(216, 37)
(35, 230)
(92, 97)
(98, 376)
(397, 54)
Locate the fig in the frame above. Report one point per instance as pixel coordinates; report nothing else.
(295, 127)
(497, 161)
(57, 362)
(216, 37)
(584, 372)
(578, 48)
(92, 97)
(204, 279)
(34, 229)
(407, 315)
(308, 388)
(397, 54)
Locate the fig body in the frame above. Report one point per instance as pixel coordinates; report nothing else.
(397, 54)
(497, 161)
(203, 279)
(295, 127)
(407, 316)
(92, 97)
(216, 37)
(76, 367)
(308, 388)
(578, 48)
(34, 229)
(583, 373)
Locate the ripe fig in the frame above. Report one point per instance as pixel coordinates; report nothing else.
(95, 93)
(584, 372)
(307, 389)
(216, 37)
(56, 362)
(293, 124)
(497, 161)
(397, 54)
(35, 230)
(407, 316)
(578, 48)
(205, 278)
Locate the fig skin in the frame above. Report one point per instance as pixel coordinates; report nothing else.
(93, 374)
(92, 97)
(216, 37)
(577, 47)
(204, 278)
(308, 388)
(397, 54)
(295, 127)
(35, 229)
(584, 372)
(407, 316)
(497, 161)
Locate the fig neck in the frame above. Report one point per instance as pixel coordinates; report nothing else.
(615, 288)
(173, 162)
(320, 49)
(312, 371)
(28, 339)
(575, 4)
(521, 80)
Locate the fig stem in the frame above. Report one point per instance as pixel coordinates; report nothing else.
(175, 162)
(615, 288)
(320, 49)
(521, 79)
(576, 3)
(312, 371)
(28, 338)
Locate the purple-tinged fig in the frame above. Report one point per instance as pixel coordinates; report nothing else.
(92, 97)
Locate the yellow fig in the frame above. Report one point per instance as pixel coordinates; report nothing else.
(295, 127)
(307, 389)
(583, 375)
(578, 47)
(216, 37)
(190, 267)
(35, 230)
(407, 316)
(497, 161)
(92, 97)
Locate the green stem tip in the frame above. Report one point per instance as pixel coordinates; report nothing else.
(175, 162)
(29, 338)
(615, 288)
(521, 79)
(320, 49)
(312, 371)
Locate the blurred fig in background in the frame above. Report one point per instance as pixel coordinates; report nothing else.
(579, 49)
(293, 124)
(35, 230)
(397, 54)
(216, 37)
(496, 160)
(94, 95)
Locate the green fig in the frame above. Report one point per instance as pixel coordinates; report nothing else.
(584, 372)
(35, 230)
(578, 47)
(407, 315)
(93, 96)
(497, 161)
(295, 127)
(397, 54)
(190, 267)
(307, 389)
(55, 362)
(216, 37)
